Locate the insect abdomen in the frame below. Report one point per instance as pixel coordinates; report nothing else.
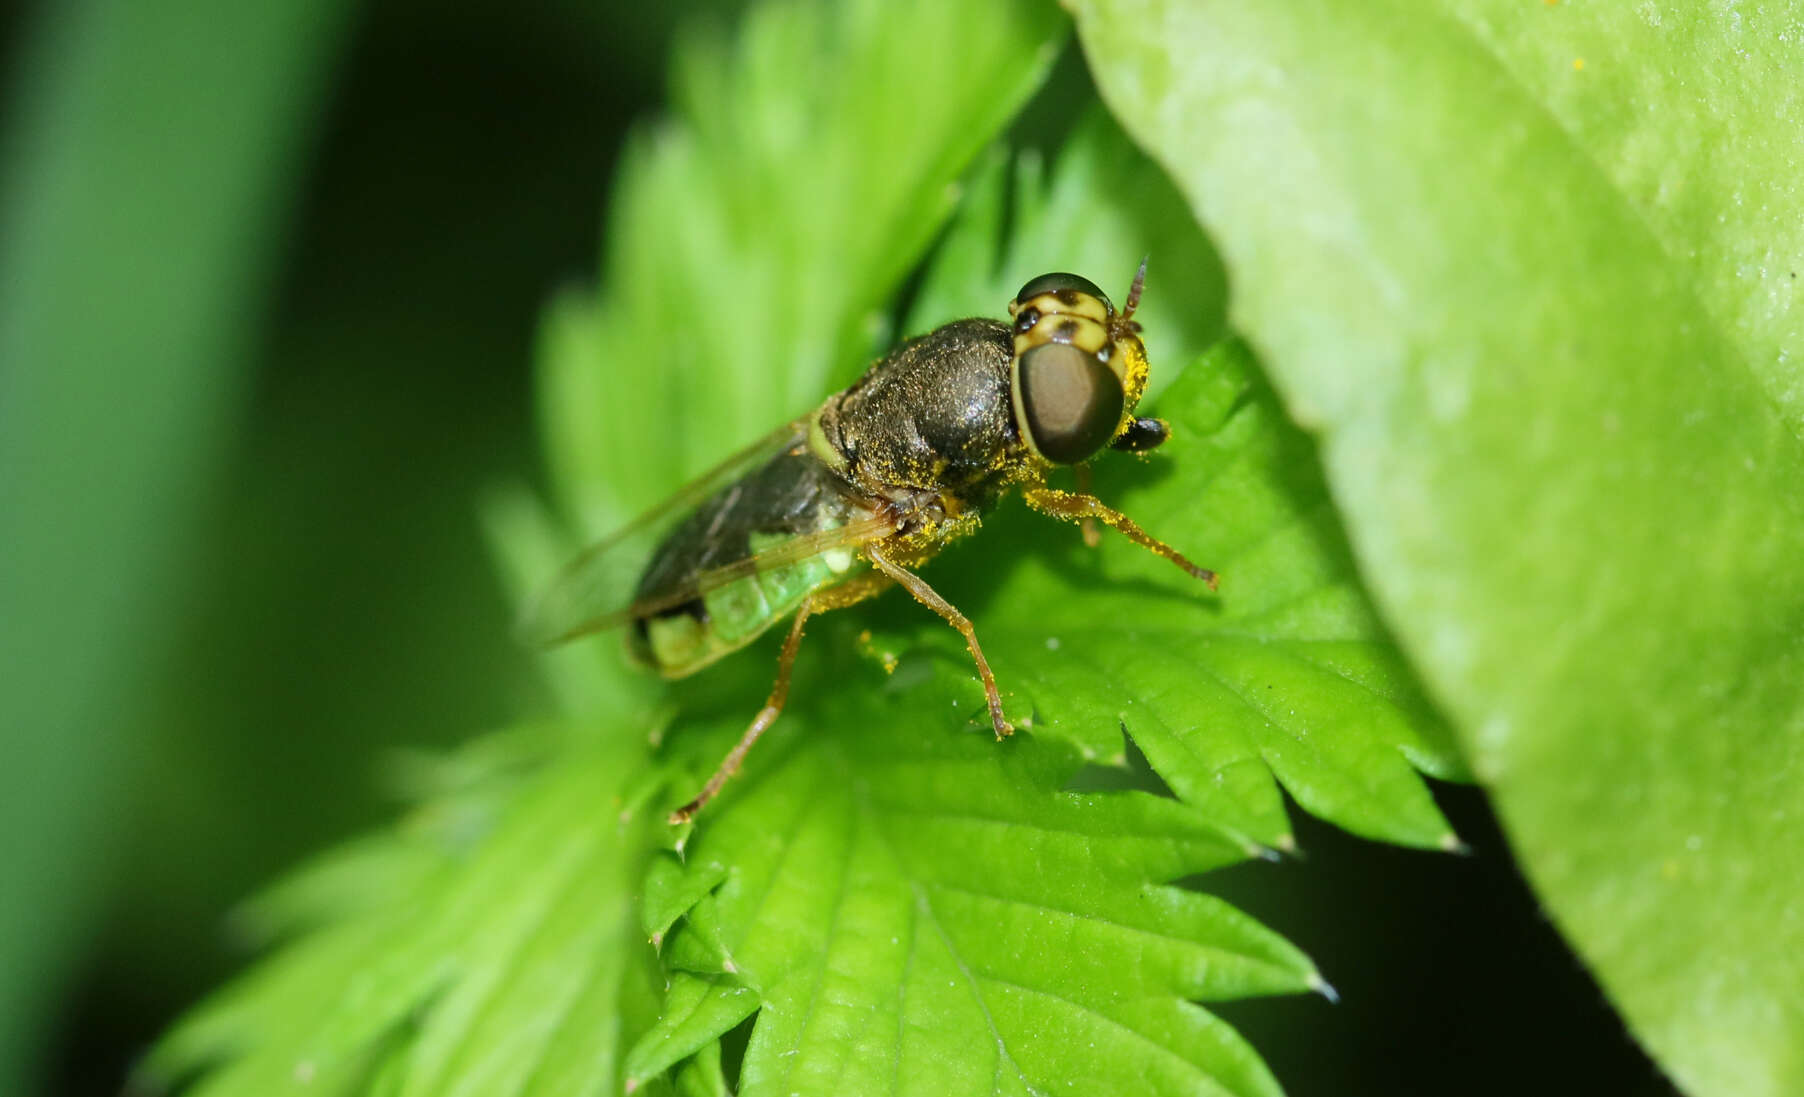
(787, 497)
(685, 640)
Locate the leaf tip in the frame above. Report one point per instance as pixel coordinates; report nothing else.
(1256, 851)
(1321, 986)
(1284, 845)
(1451, 843)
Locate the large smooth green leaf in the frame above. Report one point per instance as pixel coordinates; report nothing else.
(1527, 270)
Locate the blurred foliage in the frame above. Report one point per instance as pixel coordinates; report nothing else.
(317, 591)
(138, 204)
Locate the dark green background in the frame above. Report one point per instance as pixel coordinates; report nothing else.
(329, 603)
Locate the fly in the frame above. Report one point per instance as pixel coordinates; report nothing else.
(848, 500)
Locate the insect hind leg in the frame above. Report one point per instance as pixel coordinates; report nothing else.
(846, 594)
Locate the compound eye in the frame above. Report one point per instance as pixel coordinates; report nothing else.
(1068, 401)
(1060, 284)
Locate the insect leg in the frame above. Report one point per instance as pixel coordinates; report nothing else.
(930, 598)
(779, 693)
(856, 590)
(1073, 507)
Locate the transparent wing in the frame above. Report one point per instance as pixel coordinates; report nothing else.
(700, 538)
(601, 580)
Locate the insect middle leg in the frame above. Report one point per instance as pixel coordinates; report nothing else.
(856, 590)
(931, 598)
(1075, 507)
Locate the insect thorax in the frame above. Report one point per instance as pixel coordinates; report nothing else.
(933, 415)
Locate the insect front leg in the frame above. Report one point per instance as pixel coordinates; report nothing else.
(1141, 436)
(931, 598)
(1075, 507)
(1092, 535)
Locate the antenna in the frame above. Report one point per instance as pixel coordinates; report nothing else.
(1133, 298)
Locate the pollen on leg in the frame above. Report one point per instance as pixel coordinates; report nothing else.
(1074, 507)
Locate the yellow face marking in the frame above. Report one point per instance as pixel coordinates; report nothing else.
(1080, 331)
(1129, 363)
(1050, 304)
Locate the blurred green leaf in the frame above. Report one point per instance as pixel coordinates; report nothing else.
(1527, 271)
(1098, 207)
(155, 146)
(509, 964)
(755, 241)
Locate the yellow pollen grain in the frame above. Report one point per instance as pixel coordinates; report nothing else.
(1578, 64)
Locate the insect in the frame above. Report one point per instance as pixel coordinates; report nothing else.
(848, 500)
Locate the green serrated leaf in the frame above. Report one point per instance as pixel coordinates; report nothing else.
(924, 910)
(900, 821)
(1525, 269)
(919, 832)
(490, 1030)
(697, 1010)
(670, 890)
(702, 1074)
(1284, 672)
(1287, 671)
